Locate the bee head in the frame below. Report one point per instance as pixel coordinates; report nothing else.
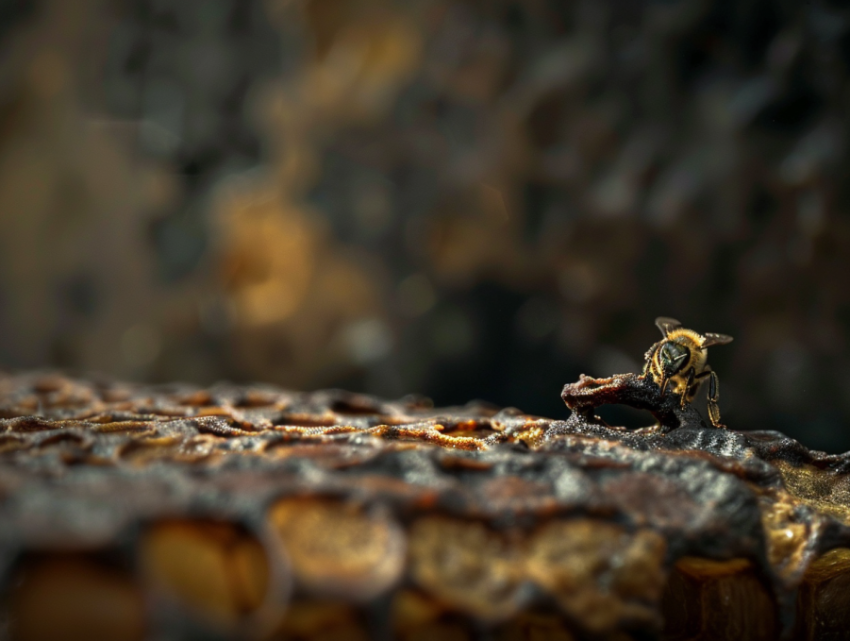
(672, 357)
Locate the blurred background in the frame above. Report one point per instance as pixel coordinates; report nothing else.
(464, 199)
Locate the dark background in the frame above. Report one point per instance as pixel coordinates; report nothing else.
(476, 199)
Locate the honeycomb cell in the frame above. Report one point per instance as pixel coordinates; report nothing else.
(216, 569)
(337, 548)
(717, 600)
(823, 603)
(601, 575)
(72, 597)
(466, 566)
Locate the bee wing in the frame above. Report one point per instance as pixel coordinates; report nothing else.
(710, 339)
(667, 325)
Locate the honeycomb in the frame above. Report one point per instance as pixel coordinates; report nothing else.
(136, 512)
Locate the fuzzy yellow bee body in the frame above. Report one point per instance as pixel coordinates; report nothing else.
(678, 363)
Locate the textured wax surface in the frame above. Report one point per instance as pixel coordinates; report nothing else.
(348, 499)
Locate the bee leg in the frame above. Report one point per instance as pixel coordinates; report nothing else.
(647, 360)
(687, 387)
(713, 397)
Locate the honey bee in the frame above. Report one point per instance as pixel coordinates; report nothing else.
(679, 362)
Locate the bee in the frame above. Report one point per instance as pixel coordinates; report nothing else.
(679, 362)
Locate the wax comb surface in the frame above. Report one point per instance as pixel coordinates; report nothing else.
(130, 512)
